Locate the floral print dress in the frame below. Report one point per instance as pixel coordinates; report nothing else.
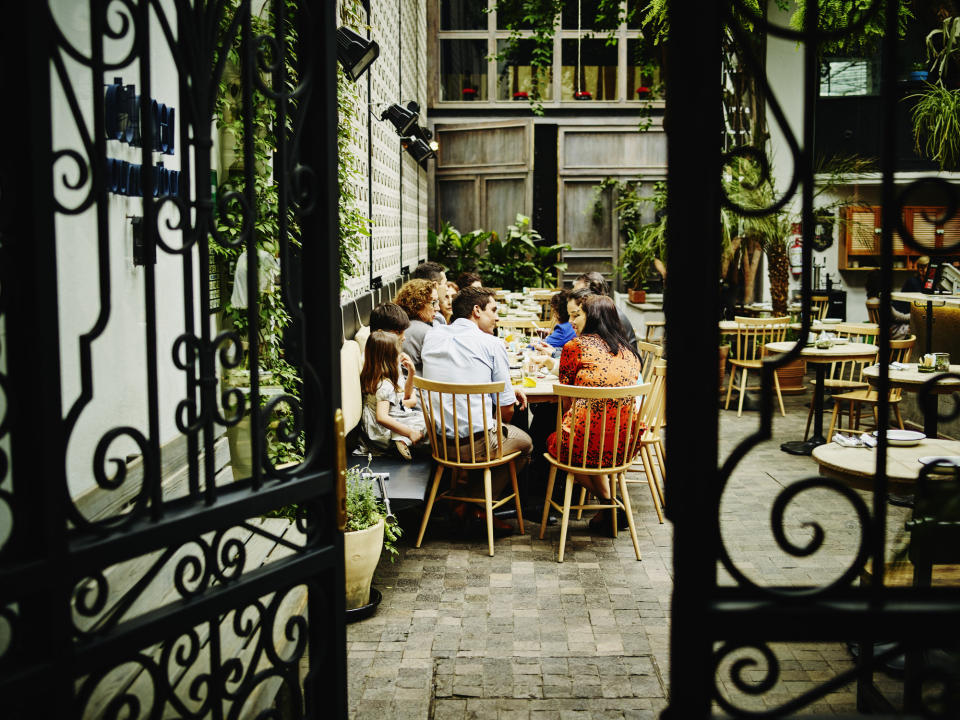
(586, 361)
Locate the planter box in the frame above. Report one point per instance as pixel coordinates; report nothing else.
(791, 377)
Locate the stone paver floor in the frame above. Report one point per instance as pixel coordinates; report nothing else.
(519, 636)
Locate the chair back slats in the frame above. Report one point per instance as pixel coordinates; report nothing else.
(649, 354)
(754, 333)
(850, 372)
(900, 351)
(593, 410)
(440, 398)
(819, 304)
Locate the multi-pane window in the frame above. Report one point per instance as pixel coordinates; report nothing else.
(595, 54)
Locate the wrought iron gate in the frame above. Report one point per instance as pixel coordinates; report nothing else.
(132, 602)
(722, 633)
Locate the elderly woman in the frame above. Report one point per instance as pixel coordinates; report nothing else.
(419, 300)
(600, 356)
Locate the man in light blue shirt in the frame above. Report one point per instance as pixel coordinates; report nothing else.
(466, 351)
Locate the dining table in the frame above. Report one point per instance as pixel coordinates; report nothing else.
(857, 466)
(911, 379)
(820, 358)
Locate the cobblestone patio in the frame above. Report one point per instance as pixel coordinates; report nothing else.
(519, 636)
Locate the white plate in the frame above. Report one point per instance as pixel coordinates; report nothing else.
(928, 459)
(831, 321)
(903, 438)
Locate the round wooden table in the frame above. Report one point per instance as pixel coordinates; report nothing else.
(858, 466)
(543, 392)
(912, 380)
(820, 358)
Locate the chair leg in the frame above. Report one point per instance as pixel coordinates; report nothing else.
(583, 499)
(857, 417)
(629, 511)
(548, 500)
(662, 466)
(743, 390)
(776, 386)
(429, 508)
(516, 495)
(833, 420)
(896, 411)
(850, 414)
(613, 501)
(651, 481)
(488, 504)
(565, 518)
(733, 374)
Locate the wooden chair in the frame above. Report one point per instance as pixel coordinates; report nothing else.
(650, 353)
(899, 352)
(508, 325)
(651, 442)
(819, 304)
(873, 310)
(655, 331)
(624, 445)
(747, 352)
(847, 375)
(448, 451)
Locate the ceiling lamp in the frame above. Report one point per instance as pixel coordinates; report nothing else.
(418, 149)
(355, 52)
(403, 118)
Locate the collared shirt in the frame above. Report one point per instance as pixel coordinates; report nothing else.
(462, 353)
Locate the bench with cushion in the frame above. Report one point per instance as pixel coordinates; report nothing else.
(407, 486)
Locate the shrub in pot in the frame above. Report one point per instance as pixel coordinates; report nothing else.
(369, 530)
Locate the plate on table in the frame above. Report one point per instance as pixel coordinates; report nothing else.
(947, 459)
(903, 438)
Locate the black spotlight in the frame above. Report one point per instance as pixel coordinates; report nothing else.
(423, 133)
(355, 52)
(418, 149)
(403, 119)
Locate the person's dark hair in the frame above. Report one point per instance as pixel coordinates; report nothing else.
(873, 284)
(596, 282)
(468, 297)
(390, 317)
(602, 320)
(466, 279)
(558, 303)
(580, 295)
(428, 271)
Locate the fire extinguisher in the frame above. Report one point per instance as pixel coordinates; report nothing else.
(795, 250)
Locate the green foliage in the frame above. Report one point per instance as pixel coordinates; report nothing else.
(459, 253)
(354, 226)
(643, 242)
(834, 15)
(521, 258)
(943, 44)
(936, 124)
(365, 509)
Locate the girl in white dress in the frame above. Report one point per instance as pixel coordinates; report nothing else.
(390, 414)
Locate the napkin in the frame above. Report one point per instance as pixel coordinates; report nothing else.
(854, 440)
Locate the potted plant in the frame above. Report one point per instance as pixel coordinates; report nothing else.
(936, 112)
(369, 531)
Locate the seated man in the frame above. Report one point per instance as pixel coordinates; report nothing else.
(596, 283)
(466, 351)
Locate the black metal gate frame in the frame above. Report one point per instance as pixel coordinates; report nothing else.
(710, 623)
(52, 552)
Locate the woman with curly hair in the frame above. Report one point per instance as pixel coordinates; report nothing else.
(419, 300)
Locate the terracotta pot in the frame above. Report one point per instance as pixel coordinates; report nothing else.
(361, 553)
(637, 296)
(791, 377)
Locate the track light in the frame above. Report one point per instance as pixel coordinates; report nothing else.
(403, 119)
(355, 52)
(426, 135)
(418, 149)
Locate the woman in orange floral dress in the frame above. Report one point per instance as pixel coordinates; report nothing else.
(599, 357)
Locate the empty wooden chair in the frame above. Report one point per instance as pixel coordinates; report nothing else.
(847, 375)
(873, 310)
(650, 353)
(651, 442)
(819, 304)
(618, 446)
(899, 352)
(526, 326)
(457, 447)
(655, 331)
(747, 352)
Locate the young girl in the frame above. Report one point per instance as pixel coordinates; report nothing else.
(389, 414)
